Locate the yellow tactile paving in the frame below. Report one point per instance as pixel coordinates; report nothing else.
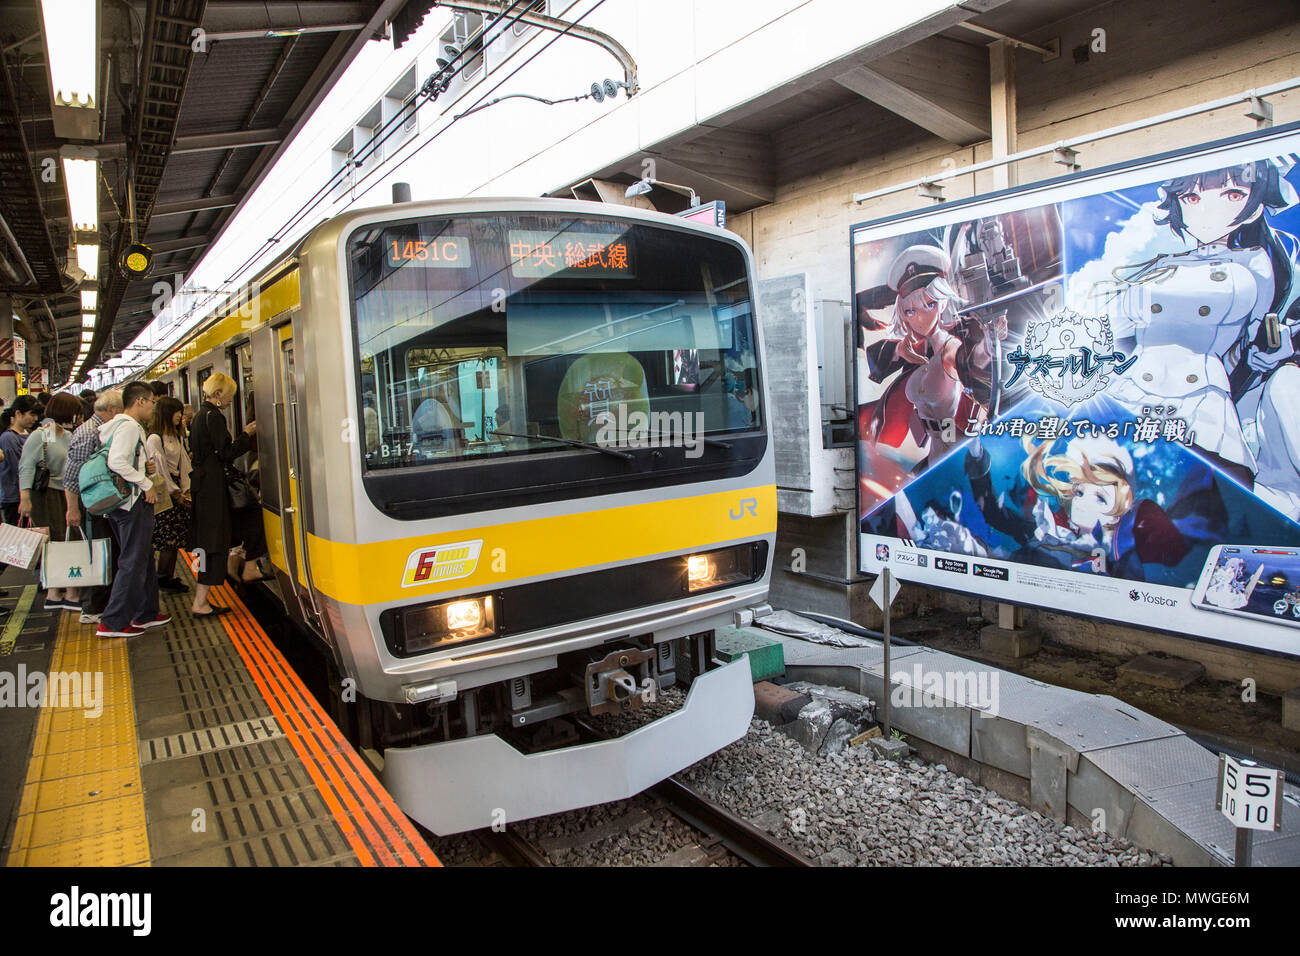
(81, 789)
(119, 848)
(83, 803)
(63, 824)
(81, 762)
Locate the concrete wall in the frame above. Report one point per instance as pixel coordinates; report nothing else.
(1159, 57)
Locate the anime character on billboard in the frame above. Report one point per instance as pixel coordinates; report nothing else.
(1216, 345)
(944, 356)
(1082, 509)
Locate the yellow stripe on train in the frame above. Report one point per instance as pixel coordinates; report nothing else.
(486, 557)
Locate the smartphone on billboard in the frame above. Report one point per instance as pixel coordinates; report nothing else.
(1251, 581)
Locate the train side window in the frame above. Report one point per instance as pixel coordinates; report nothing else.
(203, 377)
(243, 375)
(185, 386)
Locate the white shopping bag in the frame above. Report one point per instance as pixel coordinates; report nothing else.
(21, 547)
(76, 564)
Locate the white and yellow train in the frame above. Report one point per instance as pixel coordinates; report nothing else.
(514, 464)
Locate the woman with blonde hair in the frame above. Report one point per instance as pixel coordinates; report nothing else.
(211, 451)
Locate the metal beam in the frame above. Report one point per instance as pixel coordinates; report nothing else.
(271, 32)
(282, 15)
(180, 208)
(239, 139)
(342, 52)
(179, 243)
(203, 142)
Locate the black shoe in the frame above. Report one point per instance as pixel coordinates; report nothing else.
(171, 585)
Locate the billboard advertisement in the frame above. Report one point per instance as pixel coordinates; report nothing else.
(1085, 395)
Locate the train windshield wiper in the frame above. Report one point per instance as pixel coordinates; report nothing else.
(626, 456)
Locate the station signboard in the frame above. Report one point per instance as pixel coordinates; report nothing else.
(1082, 395)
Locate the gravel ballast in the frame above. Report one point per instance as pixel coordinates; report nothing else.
(850, 808)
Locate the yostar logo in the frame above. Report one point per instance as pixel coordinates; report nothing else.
(1136, 595)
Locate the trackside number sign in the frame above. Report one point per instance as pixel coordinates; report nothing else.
(443, 562)
(1249, 796)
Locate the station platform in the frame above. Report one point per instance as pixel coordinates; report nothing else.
(194, 744)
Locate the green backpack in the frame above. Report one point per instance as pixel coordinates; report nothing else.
(103, 489)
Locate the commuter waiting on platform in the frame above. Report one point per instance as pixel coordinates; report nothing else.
(21, 419)
(171, 528)
(211, 450)
(133, 604)
(40, 481)
(85, 442)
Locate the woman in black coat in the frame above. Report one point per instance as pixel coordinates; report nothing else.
(211, 450)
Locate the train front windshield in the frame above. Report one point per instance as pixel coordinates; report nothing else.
(502, 336)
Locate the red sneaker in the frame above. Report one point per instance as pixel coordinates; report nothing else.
(129, 631)
(159, 621)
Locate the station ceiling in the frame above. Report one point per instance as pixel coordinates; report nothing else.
(199, 118)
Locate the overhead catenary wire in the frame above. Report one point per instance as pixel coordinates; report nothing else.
(440, 78)
(432, 87)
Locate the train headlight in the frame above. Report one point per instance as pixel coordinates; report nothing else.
(430, 626)
(465, 615)
(720, 569)
(699, 571)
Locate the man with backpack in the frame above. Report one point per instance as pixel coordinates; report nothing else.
(133, 602)
(85, 442)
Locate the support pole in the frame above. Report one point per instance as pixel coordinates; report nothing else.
(885, 683)
(1002, 109)
(1245, 847)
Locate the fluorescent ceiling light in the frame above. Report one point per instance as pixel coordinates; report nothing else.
(81, 176)
(71, 40)
(88, 260)
(87, 335)
(88, 299)
(87, 320)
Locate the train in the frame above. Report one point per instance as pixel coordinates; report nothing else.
(515, 469)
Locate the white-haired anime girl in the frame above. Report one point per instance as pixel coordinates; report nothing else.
(941, 355)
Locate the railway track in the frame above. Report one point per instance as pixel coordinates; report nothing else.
(712, 835)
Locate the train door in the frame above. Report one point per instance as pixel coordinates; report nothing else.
(290, 485)
(242, 410)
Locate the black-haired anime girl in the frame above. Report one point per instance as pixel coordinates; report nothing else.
(1201, 318)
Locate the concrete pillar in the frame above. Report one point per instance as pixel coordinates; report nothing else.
(1009, 637)
(1002, 108)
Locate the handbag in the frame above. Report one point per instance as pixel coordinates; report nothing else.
(241, 491)
(41, 480)
(76, 564)
(22, 546)
(164, 496)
